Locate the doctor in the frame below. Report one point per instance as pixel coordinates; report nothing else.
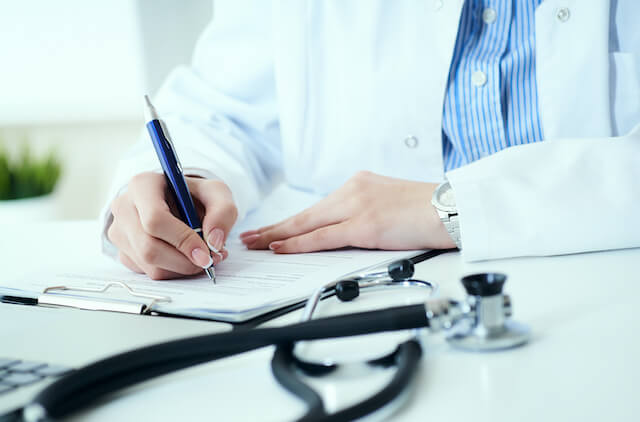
(528, 111)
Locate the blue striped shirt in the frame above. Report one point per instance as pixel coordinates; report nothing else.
(491, 101)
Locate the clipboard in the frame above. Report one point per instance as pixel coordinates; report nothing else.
(139, 300)
(145, 307)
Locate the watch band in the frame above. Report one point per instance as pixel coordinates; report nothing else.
(452, 225)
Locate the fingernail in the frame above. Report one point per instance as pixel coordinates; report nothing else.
(216, 259)
(248, 233)
(216, 239)
(202, 258)
(274, 246)
(250, 239)
(217, 255)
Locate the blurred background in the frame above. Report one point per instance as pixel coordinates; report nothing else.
(72, 77)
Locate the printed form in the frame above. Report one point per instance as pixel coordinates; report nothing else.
(248, 283)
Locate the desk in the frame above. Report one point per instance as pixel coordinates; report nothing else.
(582, 362)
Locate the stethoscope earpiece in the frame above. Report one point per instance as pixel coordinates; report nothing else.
(401, 270)
(347, 290)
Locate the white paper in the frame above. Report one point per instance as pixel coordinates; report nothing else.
(247, 283)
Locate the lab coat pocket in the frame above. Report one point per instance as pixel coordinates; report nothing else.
(625, 91)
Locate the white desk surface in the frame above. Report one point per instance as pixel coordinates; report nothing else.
(582, 362)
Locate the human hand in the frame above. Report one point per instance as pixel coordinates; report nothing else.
(152, 240)
(369, 211)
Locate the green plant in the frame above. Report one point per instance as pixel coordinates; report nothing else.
(27, 176)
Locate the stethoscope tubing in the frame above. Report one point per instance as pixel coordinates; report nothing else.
(406, 357)
(83, 386)
(87, 384)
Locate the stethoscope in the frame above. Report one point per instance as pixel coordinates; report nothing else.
(287, 359)
(484, 328)
(481, 321)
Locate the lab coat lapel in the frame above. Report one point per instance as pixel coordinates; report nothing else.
(440, 32)
(572, 68)
(446, 19)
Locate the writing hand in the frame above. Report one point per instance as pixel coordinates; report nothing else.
(152, 240)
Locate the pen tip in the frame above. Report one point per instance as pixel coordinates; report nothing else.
(211, 273)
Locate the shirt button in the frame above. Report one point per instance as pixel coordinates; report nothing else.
(411, 141)
(563, 14)
(479, 78)
(489, 15)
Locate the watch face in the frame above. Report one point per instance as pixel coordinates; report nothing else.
(444, 198)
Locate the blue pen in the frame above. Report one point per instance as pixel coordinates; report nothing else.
(173, 172)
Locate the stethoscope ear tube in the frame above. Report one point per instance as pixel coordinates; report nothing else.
(85, 385)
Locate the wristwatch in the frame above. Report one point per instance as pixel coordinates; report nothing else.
(445, 204)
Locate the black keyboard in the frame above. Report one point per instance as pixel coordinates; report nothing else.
(15, 373)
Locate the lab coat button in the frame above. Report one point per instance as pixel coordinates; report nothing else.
(437, 4)
(563, 14)
(489, 15)
(411, 141)
(479, 78)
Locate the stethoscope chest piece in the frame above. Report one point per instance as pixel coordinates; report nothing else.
(487, 326)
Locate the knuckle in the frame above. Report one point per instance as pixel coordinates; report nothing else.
(152, 222)
(141, 178)
(229, 208)
(364, 174)
(148, 251)
(356, 201)
(300, 220)
(116, 205)
(112, 233)
(138, 180)
(359, 180)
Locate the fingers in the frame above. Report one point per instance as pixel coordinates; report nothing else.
(149, 238)
(156, 274)
(220, 212)
(158, 222)
(152, 253)
(329, 211)
(329, 237)
(141, 252)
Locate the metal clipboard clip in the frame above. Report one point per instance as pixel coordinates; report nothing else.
(105, 304)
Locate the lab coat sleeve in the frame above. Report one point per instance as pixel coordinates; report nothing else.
(221, 111)
(549, 198)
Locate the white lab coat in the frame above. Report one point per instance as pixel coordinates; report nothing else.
(316, 90)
